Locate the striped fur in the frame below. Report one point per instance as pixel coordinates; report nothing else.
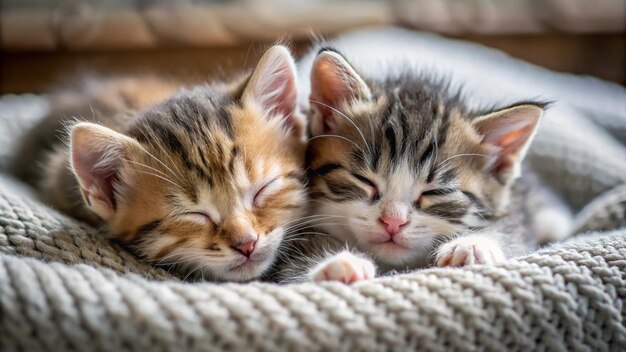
(191, 174)
(404, 147)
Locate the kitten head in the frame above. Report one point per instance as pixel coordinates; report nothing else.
(398, 165)
(209, 179)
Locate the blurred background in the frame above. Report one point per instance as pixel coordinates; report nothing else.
(44, 41)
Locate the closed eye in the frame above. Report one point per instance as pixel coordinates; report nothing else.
(432, 193)
(259, 194)
(199, 216)
(370, 183)
(438, 192)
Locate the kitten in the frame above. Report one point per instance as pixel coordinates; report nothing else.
(403, 176)
(207, 177)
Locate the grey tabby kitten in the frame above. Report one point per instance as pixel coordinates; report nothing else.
(403, 175)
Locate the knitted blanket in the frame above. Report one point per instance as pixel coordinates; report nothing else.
(63, 286)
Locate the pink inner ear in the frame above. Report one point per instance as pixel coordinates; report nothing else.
(282, 88)
(95, 177)
(515, 140)
(329, 90)
(510, 134)
(325, 96)
(330, 84)
(276, 89)
(333, 82)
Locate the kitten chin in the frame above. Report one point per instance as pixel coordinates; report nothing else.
(404, 173)
(205, 177)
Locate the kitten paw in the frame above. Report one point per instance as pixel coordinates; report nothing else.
(469, 250)
(345, 267)
(552, 224)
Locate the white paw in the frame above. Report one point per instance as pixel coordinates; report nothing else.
(469, 250)
(552, 224)
(345, 267)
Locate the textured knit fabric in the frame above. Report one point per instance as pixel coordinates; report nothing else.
(64, 286)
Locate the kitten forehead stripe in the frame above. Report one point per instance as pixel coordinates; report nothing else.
(325, 169)
(147, 228)
(448, 210)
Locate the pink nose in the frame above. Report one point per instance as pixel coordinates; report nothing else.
(392, 224)
(246, 248)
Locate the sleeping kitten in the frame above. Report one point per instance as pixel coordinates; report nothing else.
(403, 176)
(207, 177)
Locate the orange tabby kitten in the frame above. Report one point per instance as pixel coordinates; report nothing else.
(206, 177)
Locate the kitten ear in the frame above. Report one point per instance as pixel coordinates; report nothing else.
(97, 153)
(333, 83)
(511, 130)
(273, 84)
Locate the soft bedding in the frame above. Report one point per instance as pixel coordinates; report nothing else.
(64, 286)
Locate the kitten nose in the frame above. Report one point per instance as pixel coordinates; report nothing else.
(246, 248)
(393, 224)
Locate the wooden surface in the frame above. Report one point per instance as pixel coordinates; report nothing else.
(597, 55)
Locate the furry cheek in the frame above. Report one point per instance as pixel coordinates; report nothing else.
(349, 221)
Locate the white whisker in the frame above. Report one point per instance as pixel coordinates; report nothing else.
(146, 166)
(347, 118)
(459, 155)
(336, 136)
(158, 176)
(177, 174)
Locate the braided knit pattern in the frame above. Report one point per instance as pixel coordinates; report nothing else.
(65, 287)
(569, 297)
(606, 212)
(29, 228)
